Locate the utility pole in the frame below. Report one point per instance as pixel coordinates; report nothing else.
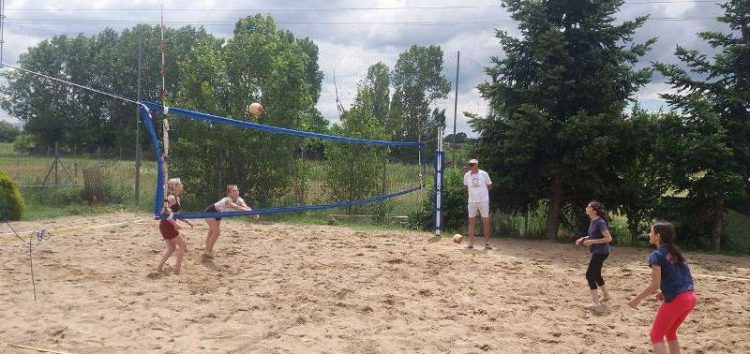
(2, 29)
(138, 129)
(455, 107)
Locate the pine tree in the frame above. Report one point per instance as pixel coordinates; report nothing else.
(557, 97)
(722, 84)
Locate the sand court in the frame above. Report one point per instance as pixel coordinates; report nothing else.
(282, 288)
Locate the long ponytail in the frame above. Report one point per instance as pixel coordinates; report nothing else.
(665, 229)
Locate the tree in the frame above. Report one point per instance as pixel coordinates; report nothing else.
(418, 81)
(558, 96)
(457, 138)
(378, 83)
(55, 112)
(719, 88)
(8, 132)
(362, 177)
(259, 63)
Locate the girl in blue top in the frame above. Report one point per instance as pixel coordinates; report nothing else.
(670, 273)
(598, 240)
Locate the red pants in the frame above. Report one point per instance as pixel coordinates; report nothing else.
(670, 316)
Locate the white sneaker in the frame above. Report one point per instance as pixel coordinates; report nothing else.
(592, 305)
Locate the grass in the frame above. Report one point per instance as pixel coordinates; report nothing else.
(52, 201)
(737, 230)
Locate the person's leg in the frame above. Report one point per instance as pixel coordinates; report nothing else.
(685, 303)
(666, 316)
(215, 236)
(660, 348)
(484, 212)
(165, 255)
(605, 293)
(595, 267)
(472, 220)
(472, 207)
(600, 279)
(486, 229)
(180, 246)
(210, 232)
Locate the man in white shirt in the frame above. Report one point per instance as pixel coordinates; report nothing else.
(478, 184)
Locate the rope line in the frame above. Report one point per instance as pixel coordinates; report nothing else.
(35, 348)
(45, 234)
(68, 83)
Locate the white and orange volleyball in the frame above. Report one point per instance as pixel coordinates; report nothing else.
(255, 109)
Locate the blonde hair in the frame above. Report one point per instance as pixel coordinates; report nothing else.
(171, 185)
(230, 186)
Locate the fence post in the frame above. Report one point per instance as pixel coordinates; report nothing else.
(18, 159)
(57, 158)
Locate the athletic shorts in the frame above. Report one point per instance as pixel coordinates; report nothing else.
(483, 208)
(211, 209)
(168, 230)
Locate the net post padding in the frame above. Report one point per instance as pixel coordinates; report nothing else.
(438, 185)
(147, 122)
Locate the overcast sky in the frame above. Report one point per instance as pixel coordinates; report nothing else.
(355, 34)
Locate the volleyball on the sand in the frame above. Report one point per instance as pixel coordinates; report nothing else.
(255, 109)
(457, 238)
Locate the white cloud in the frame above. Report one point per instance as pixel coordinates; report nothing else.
(354, 34)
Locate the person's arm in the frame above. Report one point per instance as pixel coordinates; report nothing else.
(232, 205)
(652, 287)
(606, 238)
(489, 182)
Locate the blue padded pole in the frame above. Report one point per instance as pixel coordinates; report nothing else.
(146, 117)
(439, 180)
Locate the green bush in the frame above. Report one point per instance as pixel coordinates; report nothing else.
(11, 201)
(454, 204)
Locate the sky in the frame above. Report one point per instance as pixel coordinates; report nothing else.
(352, 35)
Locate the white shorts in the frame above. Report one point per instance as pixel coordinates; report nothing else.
(483, 208)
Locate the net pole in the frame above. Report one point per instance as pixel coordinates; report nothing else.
(163, 96)
(438, 185)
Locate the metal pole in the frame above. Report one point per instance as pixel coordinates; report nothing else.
(57, 158)
(138, 129)
(455, 107)
(438, 185)
(2, 29)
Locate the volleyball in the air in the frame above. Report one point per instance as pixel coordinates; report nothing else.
(457, 238)
(255, 109)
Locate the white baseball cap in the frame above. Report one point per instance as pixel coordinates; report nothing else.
(473, 161)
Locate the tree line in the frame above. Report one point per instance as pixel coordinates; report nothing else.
(259, 62)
